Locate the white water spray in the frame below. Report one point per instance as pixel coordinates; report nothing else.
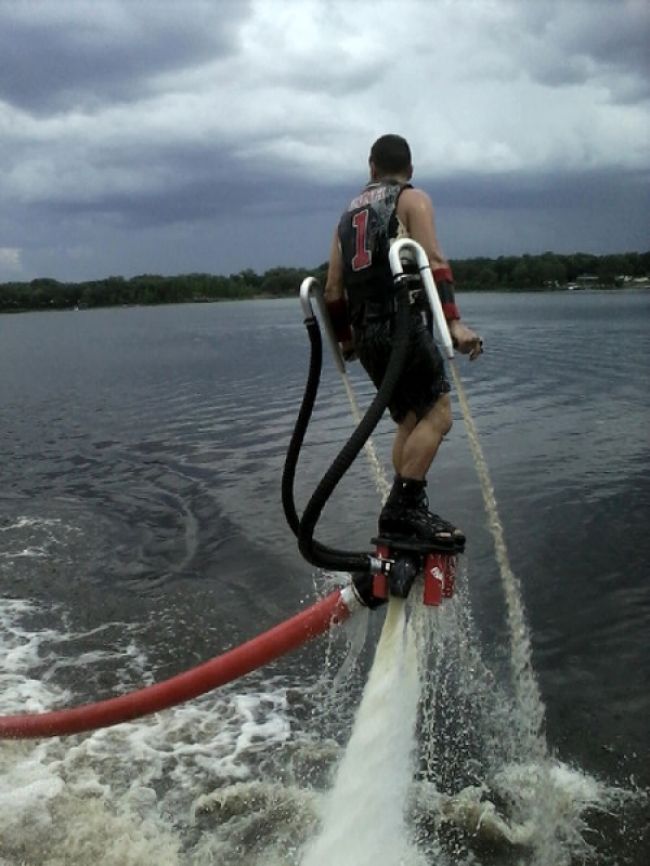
(378, 474)
(364, 821)
(528, 697)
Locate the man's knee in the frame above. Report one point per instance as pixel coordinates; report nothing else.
(441, 415)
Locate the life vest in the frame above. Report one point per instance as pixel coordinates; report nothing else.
(365, 232)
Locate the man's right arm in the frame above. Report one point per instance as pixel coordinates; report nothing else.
(416, 213)
(336, 301)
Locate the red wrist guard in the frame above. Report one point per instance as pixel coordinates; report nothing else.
(340, 319)
(443, 275)
(444, 280)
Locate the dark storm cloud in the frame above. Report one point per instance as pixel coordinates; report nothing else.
(234, 220)
(219, 189)
(223, 186)
(591, 211)
(79, 56)
(198, 181)
(590, 188)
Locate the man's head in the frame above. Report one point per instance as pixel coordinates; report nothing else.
(390, 156)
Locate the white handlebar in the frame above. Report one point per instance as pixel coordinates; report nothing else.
(309, 288)
(395, 261)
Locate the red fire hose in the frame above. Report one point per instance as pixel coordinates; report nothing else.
(234, 663)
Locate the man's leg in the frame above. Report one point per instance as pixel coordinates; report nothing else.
(404, 430)
(415, 446)
(417, 442)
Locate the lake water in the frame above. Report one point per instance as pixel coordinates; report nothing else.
(141, 532)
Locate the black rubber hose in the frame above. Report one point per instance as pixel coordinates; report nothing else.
(302, 421)
(323, 552)
(343, 461)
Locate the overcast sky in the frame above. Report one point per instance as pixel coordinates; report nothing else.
(167, 137)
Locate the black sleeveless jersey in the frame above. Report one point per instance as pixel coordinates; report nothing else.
(365, 231)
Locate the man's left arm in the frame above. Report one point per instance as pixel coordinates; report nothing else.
(336, 300)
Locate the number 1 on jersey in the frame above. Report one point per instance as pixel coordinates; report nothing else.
(362, 257)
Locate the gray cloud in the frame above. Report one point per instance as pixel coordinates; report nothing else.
(602, 40)
(60, 56)
(156, 136)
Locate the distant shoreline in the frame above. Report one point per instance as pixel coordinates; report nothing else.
(548, 272)
(256, 298)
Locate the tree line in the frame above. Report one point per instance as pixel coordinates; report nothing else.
(548, 271)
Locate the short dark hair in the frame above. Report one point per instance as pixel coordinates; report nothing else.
(391, 153)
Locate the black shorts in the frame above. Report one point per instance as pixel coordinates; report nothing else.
(423, 378)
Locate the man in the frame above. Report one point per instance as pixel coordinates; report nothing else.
(360, 291)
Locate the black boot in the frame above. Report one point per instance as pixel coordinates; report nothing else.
(406, 514)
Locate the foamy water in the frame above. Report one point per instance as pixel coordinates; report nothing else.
(192, 785)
